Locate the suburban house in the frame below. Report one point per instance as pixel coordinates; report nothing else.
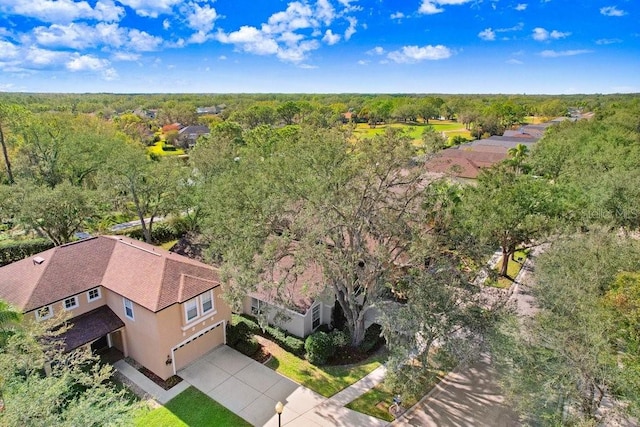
(296, 301)
(188, 135)
(161, 309)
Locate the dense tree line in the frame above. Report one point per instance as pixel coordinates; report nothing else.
(280, 185)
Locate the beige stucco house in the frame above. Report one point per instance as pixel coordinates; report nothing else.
(159, 308)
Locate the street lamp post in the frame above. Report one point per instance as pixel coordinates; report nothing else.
(279, 408)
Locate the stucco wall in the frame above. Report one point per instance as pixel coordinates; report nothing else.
(83, 306)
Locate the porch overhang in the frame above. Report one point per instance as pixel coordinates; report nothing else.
(90, 326)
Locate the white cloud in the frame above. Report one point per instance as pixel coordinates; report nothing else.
(64, 11)
(351, 30)
(166, 24)
(378, 50)
(412, 54)
(325, 11)
(200, 18)
(518, 27)
(126, 56)
(560, 53)
(76, 36)
(222, 58)
(151, 8)
(106, 10)
(521, 6)
(612, 11)
(294, 32)
(8, 50)
(330, 38)
(540, 34)
(307, 66)
(363, 62)
(487, 34)
(608, 41)
(142, 41)
(43, 57)
(86, 62)
(430, 7)
(559, 34)
(397, 15)
(251, 40)
(514, 61)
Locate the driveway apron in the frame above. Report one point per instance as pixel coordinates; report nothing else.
(252, 390)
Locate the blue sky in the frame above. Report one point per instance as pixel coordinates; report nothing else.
(320, 46)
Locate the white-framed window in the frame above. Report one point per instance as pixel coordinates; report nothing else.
(128, 308)
(255, 306)
(191, 309)
(44, 313)
(93, 294)
(70, 303)
(315, 316)
(206, 302)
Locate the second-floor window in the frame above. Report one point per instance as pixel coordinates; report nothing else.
(191, 309)
(93, 294)
(70, 303)
(199, 306)
(128, 308)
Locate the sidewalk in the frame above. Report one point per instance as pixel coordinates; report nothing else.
(251, 390)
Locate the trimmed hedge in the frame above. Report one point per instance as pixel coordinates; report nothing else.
(11, 251)
(319, 347)
(288, 342)
(161, 232)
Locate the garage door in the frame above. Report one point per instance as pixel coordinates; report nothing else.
(198, 345)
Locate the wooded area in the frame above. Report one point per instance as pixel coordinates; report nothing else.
(282, 183)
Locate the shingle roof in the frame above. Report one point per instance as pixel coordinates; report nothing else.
(90, 326)
(150, 276)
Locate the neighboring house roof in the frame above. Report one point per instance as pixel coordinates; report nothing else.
(290, 286)
(90, 326)
(195, 130)
(172, 126)
(460, 167)
(521, 134)
(147, 275)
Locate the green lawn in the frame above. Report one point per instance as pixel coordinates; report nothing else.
(325, 380)
(414, 130)
(376, 401)
(512, 269)
(190, 408)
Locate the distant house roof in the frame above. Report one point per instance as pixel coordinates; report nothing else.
(194, 130)
(150, 276)
(172, 126)
(460, 167)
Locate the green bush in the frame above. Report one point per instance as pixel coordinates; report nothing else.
(372, 338)
(11, 250)
(340, 338)
(237, 333)
(161, 232)
(248, 347)
(288, 342)
(319, 347)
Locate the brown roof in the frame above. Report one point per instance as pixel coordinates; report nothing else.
(292, 286)
(90, 326)
(460, 167)
(150, 276)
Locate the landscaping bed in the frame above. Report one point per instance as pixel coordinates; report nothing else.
(165, 384)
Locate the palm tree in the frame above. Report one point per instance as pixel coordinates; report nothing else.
(518, 155)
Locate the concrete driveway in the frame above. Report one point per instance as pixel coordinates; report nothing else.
(252, 390)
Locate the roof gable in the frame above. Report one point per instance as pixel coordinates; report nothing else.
(147, 275)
